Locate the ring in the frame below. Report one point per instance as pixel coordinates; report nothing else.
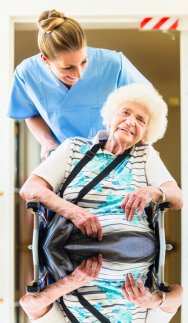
(93, 226)
(129, 201)
(129, 292)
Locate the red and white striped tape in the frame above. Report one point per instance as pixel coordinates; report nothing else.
(165, 23)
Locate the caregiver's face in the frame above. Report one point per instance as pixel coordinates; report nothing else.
(129, 124)
(68, 66)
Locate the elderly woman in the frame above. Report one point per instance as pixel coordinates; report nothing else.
(136, 117)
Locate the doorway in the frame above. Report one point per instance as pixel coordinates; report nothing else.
(156, 55)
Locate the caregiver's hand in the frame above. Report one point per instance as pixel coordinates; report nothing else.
(47, 150)
(138, 199)
(88, 223)
(42, 133)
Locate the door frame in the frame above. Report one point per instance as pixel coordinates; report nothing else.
(10, 23)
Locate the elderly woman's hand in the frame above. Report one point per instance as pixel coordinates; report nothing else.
(87, 271)
(88, 223)
(139, 295)
(138, 199)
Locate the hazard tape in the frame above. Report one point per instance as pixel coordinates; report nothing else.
(154, 23)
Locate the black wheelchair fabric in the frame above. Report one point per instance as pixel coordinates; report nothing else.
(121, 246)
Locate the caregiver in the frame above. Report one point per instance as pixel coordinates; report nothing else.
(61, 90)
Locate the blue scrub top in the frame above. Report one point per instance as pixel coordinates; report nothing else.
(75, 111)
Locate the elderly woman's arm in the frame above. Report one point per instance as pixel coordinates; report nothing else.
(139, 198)
(36, 188)
(39, 304)
(157, 176)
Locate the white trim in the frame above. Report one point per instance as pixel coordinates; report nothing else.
(88, 22)
(97, 22)
(6, 175)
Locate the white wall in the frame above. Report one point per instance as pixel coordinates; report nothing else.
(98, 7)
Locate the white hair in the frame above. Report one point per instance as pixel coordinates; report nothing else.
(145, 95)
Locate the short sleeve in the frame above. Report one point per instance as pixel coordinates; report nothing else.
(129, 74)
(20, 105)
(156, 171)
(156, 315)
(52, 170)
(55, 315)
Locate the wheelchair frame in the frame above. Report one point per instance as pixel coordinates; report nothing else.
(37, 210)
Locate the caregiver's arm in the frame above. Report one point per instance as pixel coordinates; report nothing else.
(39, 304)
(36, 188)
(42, 133)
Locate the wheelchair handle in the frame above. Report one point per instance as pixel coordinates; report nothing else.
(35, 206)
(164, 288)
(162, 206)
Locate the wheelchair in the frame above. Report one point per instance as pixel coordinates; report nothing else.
(156, 223)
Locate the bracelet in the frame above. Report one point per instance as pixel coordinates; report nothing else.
(163, 296)
(163, 199)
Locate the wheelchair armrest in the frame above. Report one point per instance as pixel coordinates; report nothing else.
(37, 209)
(162, 206)
(158, 224)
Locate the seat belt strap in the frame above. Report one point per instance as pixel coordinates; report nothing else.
(87, 157)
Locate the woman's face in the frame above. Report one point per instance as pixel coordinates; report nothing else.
(68, 66)
(129, 124)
